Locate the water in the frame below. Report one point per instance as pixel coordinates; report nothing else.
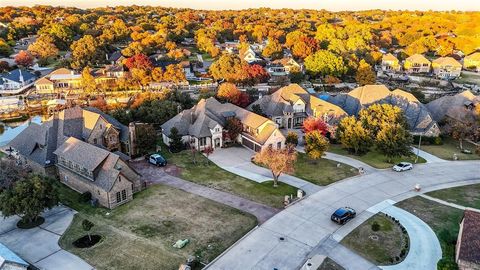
(11, 130)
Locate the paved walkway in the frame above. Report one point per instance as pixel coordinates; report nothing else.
(157, 175)
(454, 205)
(304, 225)
(427, 156)
(237, 160)
(337, 252)
(425, 250)
(343, 159)
(39, 246)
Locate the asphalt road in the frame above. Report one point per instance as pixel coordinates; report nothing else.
(286, 240)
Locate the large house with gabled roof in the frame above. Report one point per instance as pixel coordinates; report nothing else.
(16, 79)
(417, 63)
(204, 126)
(289, 106)
(418, 116)
(446, 68)
(390, 63)
(87, 148)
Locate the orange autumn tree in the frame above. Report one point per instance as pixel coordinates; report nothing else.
(277, 160)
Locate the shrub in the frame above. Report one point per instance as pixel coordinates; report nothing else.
(375, 227)
(445, 264)
(292, 138)
(85, 197)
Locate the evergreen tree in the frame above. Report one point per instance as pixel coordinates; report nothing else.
(176, 144)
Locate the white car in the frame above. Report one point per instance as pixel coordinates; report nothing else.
(403, 166)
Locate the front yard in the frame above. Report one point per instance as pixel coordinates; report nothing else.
(140, 234)
(206, 173)
(443, 220)
(373, 157)
(465, 195)
(449, 148)
(322, 171)
(382, 244)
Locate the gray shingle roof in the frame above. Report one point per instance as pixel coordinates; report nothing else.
(418, 116)
(14, 75)
(451, 105)
(102, 162)
(121, 127)
(199, 120)
(37, 143)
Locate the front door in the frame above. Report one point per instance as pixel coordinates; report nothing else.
(289, 123)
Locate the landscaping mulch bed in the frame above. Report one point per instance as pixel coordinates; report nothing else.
(29, 225)
(86, 241)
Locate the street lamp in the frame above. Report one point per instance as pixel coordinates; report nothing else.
(418, 148)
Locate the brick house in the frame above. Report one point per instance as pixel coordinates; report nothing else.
(467, 251)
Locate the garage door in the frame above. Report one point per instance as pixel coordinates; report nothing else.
(248, 143)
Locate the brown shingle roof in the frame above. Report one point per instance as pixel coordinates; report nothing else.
(418, 58)
(469, 249)
(446, 61)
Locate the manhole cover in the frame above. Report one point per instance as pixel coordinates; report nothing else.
(373, 237)
(281, 238)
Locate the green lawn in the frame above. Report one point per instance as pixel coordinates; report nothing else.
(213, 176)
(464, 195)
(470, 78)
(388, 245)
(322, 171)
(373, 157)
(443, 220)
(450, 147)
(140, 234)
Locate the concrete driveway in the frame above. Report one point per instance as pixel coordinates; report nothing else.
(237, 160)
(39, 246)
(306, 224)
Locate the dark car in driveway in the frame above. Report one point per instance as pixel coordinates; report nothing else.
(157, 159)
(343, 215)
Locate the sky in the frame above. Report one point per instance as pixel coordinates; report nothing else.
(337, 5)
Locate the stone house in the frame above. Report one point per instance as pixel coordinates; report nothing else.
(417, 63)
(467, 250)
(87, 168)
(418, 116)
(446, 68)
(204, 126)
(35, 144)
(289, 106)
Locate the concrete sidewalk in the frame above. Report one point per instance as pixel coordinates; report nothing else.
(425, 250)
(237, 160)
(304, 225)
(427, 156)
(39, 246)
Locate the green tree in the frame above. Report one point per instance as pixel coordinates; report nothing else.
(28, 198)
(229, 67)
(353, 135)
(315, 144)
(88, 81)
(365, 74)
(61, 33)
(43, 48)
(256, 108)
(87, 225)
(146, 138)
(273, 49)
(85, 52)
(376, 116)
(292, 138)
(176, 144)
(325, 63)
(393, 140)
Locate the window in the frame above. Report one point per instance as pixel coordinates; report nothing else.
(95, 141)
(65, 178)
(119, 198)
(202, 141)
(124, 195)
